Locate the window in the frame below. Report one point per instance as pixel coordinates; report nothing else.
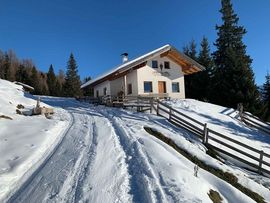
(148, 87)
(97, 93)
(167, 65)
(175, 87)
(154, 64)
(129, 90)
(104, 91)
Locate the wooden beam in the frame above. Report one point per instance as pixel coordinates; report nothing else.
(187, 67)
(164, 54)
(121, 74)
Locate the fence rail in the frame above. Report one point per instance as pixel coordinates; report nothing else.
(256, 123)
(216, 140)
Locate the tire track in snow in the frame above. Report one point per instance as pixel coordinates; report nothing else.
(30, 179)
(50, 178)
(145, 185)
(72, 185)
(107, 178)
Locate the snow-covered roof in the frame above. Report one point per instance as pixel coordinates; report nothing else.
(130, 64)
(24, 85)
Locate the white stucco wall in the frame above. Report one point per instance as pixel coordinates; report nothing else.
(147, 73)
(100, 88)
(174, 74)
(133, 80)
(117, 85)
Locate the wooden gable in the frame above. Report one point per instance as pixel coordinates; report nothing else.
(188, 66)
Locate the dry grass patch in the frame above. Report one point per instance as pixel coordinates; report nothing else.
(215, 196)
(20, 106)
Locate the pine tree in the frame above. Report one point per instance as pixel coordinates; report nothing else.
(86, 79)
(7, 70)
(266, 89)
(58, 89)
(43, 84)
(203, 79)
(51, 81)
(35, 81)
(72, 86)
(2, 59)
(190, 50)
(19, 73)
(266, 97)
(234, 78)
(61, 81)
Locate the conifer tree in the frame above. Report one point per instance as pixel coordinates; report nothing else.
(58, 89)
(19, 73)
(266, 97)
(203, 79)
(51, 81)
(2, 59)
(35, 81)
(234, 78)
(7, 71)
(190, 50)
(72, 85)
(86, 79)
(266, 88)
(43, 84)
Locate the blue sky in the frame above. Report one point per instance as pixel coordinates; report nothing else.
(97, 32)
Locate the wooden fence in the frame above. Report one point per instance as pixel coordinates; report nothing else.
(257, 159)
(255, 122)
(135, 102)
(239, 151)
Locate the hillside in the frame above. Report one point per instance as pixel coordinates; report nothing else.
(24, 141)
(223, 120)
(99, 154)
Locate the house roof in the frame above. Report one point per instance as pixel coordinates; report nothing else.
(189, 66)
(24, 85)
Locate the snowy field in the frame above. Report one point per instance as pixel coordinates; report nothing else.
(98, 154)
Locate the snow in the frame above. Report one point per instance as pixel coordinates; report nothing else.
(24, 141)
(92, 153)
(225, 120)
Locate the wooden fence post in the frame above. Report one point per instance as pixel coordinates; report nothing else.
(205, 134)
(157, 107)
(170, 113)
(151, 104)
(241, 110)
(138, 104)
(261, 160)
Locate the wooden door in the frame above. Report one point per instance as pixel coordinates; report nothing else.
(161, 87)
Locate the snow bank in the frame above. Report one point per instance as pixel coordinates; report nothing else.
(25, 140)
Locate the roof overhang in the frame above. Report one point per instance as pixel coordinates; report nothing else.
(189, 66)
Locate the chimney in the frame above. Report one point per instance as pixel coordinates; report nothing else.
(124, 57)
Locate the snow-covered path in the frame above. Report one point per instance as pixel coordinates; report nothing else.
(63, 177)
(107, 156)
